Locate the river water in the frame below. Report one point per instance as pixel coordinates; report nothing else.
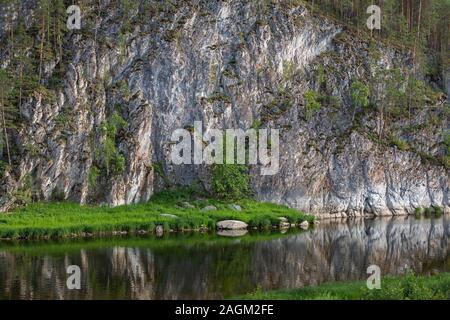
(207, 266)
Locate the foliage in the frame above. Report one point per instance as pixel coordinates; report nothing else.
(407, 287)
(446, 141)
(421, 26)
(230, 181)
(8, 113)
(217, 96)
(94, 173)
(395, 100)
(113, 160)
(321, 78)
(399, 143)
(359, 93)
(418, 212)
(119, 164)
(158, 168)
(433, 211)
(24, 194)
(311, 103)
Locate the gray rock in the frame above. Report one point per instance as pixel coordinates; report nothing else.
(235, 207)
(209, 208)
(187, 205)
(231, 225)
(159, 230)
(304, 225)
(284, 223)
(168, 215)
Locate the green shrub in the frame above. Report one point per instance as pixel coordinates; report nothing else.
(446, 141)
(418, 212)
(359, 92)
(309, 218)
(446, 161)
(438, 211)
(113, 161)
(231, 181)
(260, 222)
(410, 287)
(217, 96)
(93, 175)
(399, 143)
(428, 212)
(64, 117)
(58, 195)
(321, 78)
(311, 103)
(119, 164)
(24, 194)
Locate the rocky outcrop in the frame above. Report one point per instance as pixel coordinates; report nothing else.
(228, 64)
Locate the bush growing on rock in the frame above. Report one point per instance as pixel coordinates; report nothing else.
(438, 211)
(231, 181)
(311, 103)
(418, 212)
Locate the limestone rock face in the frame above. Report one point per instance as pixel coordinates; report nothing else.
(229, 64)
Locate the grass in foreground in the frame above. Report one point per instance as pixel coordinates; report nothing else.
(51, 220)
(408, 287)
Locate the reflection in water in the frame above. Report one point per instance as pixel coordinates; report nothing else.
(217, 269)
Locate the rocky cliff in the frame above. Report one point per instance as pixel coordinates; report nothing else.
(154, 67)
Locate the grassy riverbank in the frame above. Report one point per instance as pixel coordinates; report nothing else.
(173, 210)
(408, 287)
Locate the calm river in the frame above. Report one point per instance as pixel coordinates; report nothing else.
(206, 266)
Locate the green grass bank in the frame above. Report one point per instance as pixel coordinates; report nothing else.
(407, 287)
(173, 210)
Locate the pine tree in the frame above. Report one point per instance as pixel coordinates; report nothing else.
(6, 110)
(22, 64)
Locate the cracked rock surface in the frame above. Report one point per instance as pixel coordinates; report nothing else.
(228, 64)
